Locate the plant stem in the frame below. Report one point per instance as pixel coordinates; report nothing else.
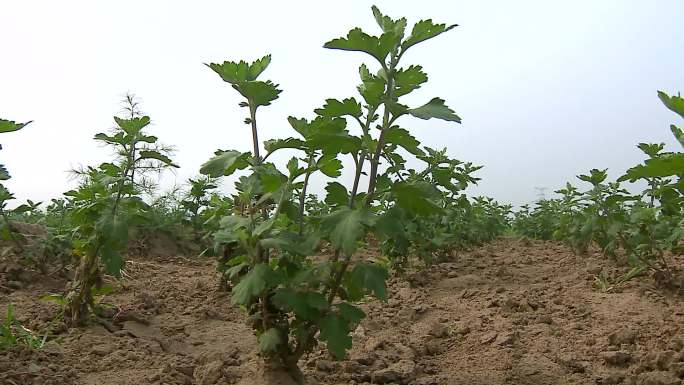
(302, 197)
(386, 123)
(359, 161)
(86, 275)
(360, 158)
(255, 134)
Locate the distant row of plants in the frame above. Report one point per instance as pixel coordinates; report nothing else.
(645, 229)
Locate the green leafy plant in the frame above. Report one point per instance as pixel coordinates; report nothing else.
(657, 226)
(646, 227)
(292, 298)
(607, 284)
(7, 231)
(107, 204)
(448, 220)
(12, 333)
(195, 203)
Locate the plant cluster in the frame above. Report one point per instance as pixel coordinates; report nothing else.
(454, 222)
(107, 204)
(13, 333)
(645, 227)
(292, 295)
(7, 231)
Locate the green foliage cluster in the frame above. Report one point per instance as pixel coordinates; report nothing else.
(7, 232)
(12, 333)
(449, 220)
(644, 227)
(292, 296)
(108, 204)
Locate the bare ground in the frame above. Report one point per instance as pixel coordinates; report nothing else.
(507, 313)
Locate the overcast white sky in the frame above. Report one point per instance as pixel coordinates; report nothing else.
(546, 89)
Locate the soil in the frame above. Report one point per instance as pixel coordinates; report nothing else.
(511, 312)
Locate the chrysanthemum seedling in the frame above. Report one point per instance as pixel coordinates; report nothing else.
(294, 300)
(107, 204)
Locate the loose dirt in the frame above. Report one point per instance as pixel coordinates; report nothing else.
(510, 312)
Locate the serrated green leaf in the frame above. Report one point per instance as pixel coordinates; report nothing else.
(345, 227)
(294, 169)
(263, 228)
(424, 30)
(111, 169)
(5, 195)
(225, 163)
(416, 197)
(278, 144)
(259, 93)
(10, 126)
(147, 138)
(372, 87)
(367, 278)
(102, 290)
(435, 108)
(651, 149)
(134, 125)
(337, 195)
(292, 243)
(258, 66)
(114, 139)
(403, 138)
(235, 271)
(387, 24)
(397, 161)
(59, 299)
(260, 277)
(269, 340)
(300, 125)
(270, 178)
(306, 305)
(674, 103)
(242, 76)
(115, 231)
(331, 136)
(661, 166)
(334, 108)
(21, 209)
(409, 79)
(156, 155)
(357, 40)
(329, 165)
(443, 177)
(4, 174)
(335, 332)
(390, 226)
(323, 132)
(595, 176)
(234, 222)
(678, 134)
(239, 72)
(231, 227)
(249, 186)
(351, 313)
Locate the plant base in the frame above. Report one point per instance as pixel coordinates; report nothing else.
(273, 373)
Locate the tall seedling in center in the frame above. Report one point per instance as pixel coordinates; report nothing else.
(292, 299)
